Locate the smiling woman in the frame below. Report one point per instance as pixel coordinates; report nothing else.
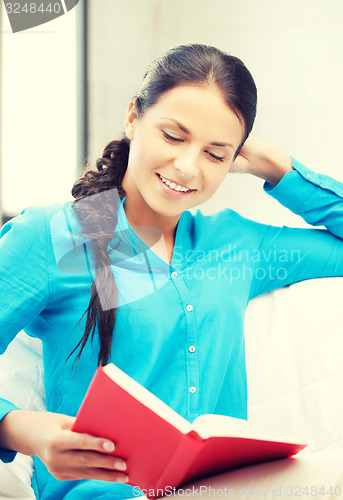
(187, 124)
(157, 282)
(190, 146)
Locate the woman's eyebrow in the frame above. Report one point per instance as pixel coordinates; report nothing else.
(186, 131)
(182, 127)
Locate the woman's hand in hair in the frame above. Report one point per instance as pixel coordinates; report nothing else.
(67, 455)
(263, 160)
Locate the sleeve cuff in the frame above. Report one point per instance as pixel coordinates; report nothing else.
(297, 186)
(5, 407)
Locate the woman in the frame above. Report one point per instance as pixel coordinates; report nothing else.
(172, 315)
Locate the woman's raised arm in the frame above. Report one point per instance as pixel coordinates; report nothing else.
(285, 255)
(316, 197)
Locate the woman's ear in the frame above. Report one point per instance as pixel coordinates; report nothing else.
(130, 118)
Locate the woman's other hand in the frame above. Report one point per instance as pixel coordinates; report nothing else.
(67, 455)
(263, 160)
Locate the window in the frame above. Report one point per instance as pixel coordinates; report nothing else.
(42, 111)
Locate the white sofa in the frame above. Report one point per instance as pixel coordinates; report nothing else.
(294, 345)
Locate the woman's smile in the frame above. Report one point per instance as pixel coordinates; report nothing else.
(173, 189)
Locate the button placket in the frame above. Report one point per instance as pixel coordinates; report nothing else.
(191, 358)
(192, 361)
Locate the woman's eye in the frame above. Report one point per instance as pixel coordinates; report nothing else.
(217, 158)
(171, 138)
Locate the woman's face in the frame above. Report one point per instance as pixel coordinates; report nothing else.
(188, 140)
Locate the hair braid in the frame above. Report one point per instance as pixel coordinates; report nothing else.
(99, 222)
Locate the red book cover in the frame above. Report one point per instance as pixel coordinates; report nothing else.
(161, 448)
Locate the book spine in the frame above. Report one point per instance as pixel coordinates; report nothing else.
(179, 463)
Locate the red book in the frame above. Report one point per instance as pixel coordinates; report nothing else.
(162, 449)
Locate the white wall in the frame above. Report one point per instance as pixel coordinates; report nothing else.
(294, 50)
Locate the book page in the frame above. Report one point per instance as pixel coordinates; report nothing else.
(147, 398)
(221, 425)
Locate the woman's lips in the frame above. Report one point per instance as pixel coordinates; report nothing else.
(171, 192)
(177, 183)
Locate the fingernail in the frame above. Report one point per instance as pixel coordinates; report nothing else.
(123, 478)
(108, 446)
(120, 465)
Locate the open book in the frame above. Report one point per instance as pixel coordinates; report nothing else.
(161, 448)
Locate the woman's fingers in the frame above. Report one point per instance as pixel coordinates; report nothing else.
(81, 441)
(68, 464)
(88, 465)
(92, 473)
(105, 475)
(93, 459)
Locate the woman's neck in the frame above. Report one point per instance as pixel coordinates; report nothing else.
(141, 218)
(138, 213)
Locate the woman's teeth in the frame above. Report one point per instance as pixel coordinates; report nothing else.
(172, 185)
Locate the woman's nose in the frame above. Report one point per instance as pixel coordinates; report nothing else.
(187, 164)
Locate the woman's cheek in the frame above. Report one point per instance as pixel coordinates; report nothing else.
(212, 182)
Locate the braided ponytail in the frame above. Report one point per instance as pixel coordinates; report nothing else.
(99, 222)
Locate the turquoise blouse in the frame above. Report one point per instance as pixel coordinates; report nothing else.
(179, 329)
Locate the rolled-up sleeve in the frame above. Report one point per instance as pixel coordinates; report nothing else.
(6, 407)
(317, 198)
(287, 255)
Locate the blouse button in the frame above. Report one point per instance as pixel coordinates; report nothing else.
(174, 274)
(192, 389)
(309, 176)
(191, 348)
(189, 307)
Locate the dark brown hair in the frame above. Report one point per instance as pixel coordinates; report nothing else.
(182, 65)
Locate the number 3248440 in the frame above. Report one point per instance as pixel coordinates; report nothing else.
(313, 491)
(33, 8)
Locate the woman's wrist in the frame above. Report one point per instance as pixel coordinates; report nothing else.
(14, 431)
(273, 165)
(263, 160)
